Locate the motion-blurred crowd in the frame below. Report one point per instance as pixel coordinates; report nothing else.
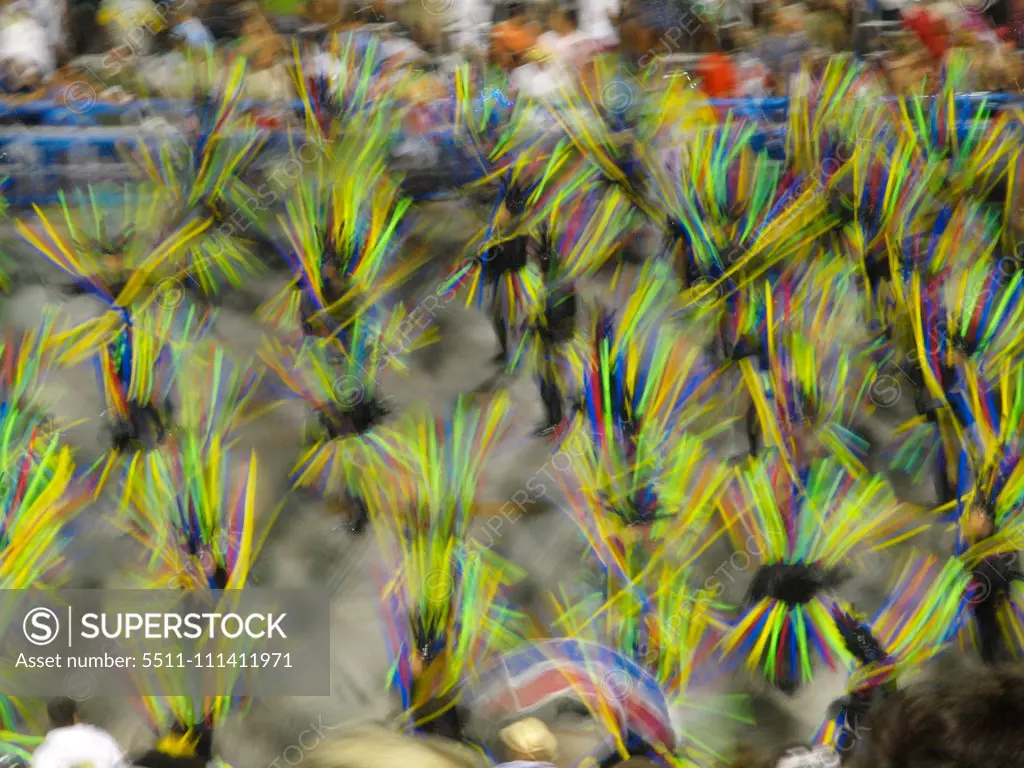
(729, 48)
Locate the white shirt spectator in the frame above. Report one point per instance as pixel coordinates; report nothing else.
(196, 36)
(535, 82)
(751, 76)
(24, 44)
(78, 746)
(569, 50)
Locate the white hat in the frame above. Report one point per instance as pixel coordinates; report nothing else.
(532, 738)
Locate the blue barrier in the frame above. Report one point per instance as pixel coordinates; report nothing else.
(40, 161)
(59, 113)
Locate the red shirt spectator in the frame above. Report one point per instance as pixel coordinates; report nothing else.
(718, 76)
(930, 29)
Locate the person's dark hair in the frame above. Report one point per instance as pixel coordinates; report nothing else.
(62, 711)
(572, 16)
(516, 10)
(977, 717)
(726, 41)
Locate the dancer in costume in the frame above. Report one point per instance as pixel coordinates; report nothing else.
(344, 240)
(988, 500)
(346, 219)
(965, 328)
(730, 214)
(967, 142)
(622, 143)
(40, 501)
(916, 622)
(444, 600)
(185, 729)
(194, 515)
(798, 378)
(529, 176)
(339, 380)
(138, 342)
(201, 185)
(574, 245)
(803, 531)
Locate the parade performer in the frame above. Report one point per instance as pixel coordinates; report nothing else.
(40, 502)
(730, 214)
(526, 175)
(138, 343)
(962, 326)
(339, 380)
(966, 142)
(917, 621)
(812, 389)
(574, 245)
(444, 598)
(986, 508)
(185, 729)
(202, 184)
(193, 513)
(193, 508)
(26, 358)
(881, 197)
(344, 240)
(621, 138)
(803, 534)
(828, 120)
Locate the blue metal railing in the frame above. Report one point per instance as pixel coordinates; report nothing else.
(39, 161)
(59, 113)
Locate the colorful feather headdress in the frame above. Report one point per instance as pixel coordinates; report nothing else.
(831, 116)
(918, 619)
(92, 242)
(580, 238)
(971, 149)
(808, 396)
(431, 500)
(801, 534)
(40, 502)
(218, 397)
(194, 513)
(219, 147)
(346, 93)
(354, 228)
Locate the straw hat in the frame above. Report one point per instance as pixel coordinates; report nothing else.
(530, 737)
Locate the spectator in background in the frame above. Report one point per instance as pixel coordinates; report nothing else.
(191, 32)
(826, 27)
(717, 70)
(72, 743)
(183, 747)
(783, 45)
(513, 39)
(530, 744)
(751, 75)
(979, 718)
(27, 58)
(564, 46)
(930, 28)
